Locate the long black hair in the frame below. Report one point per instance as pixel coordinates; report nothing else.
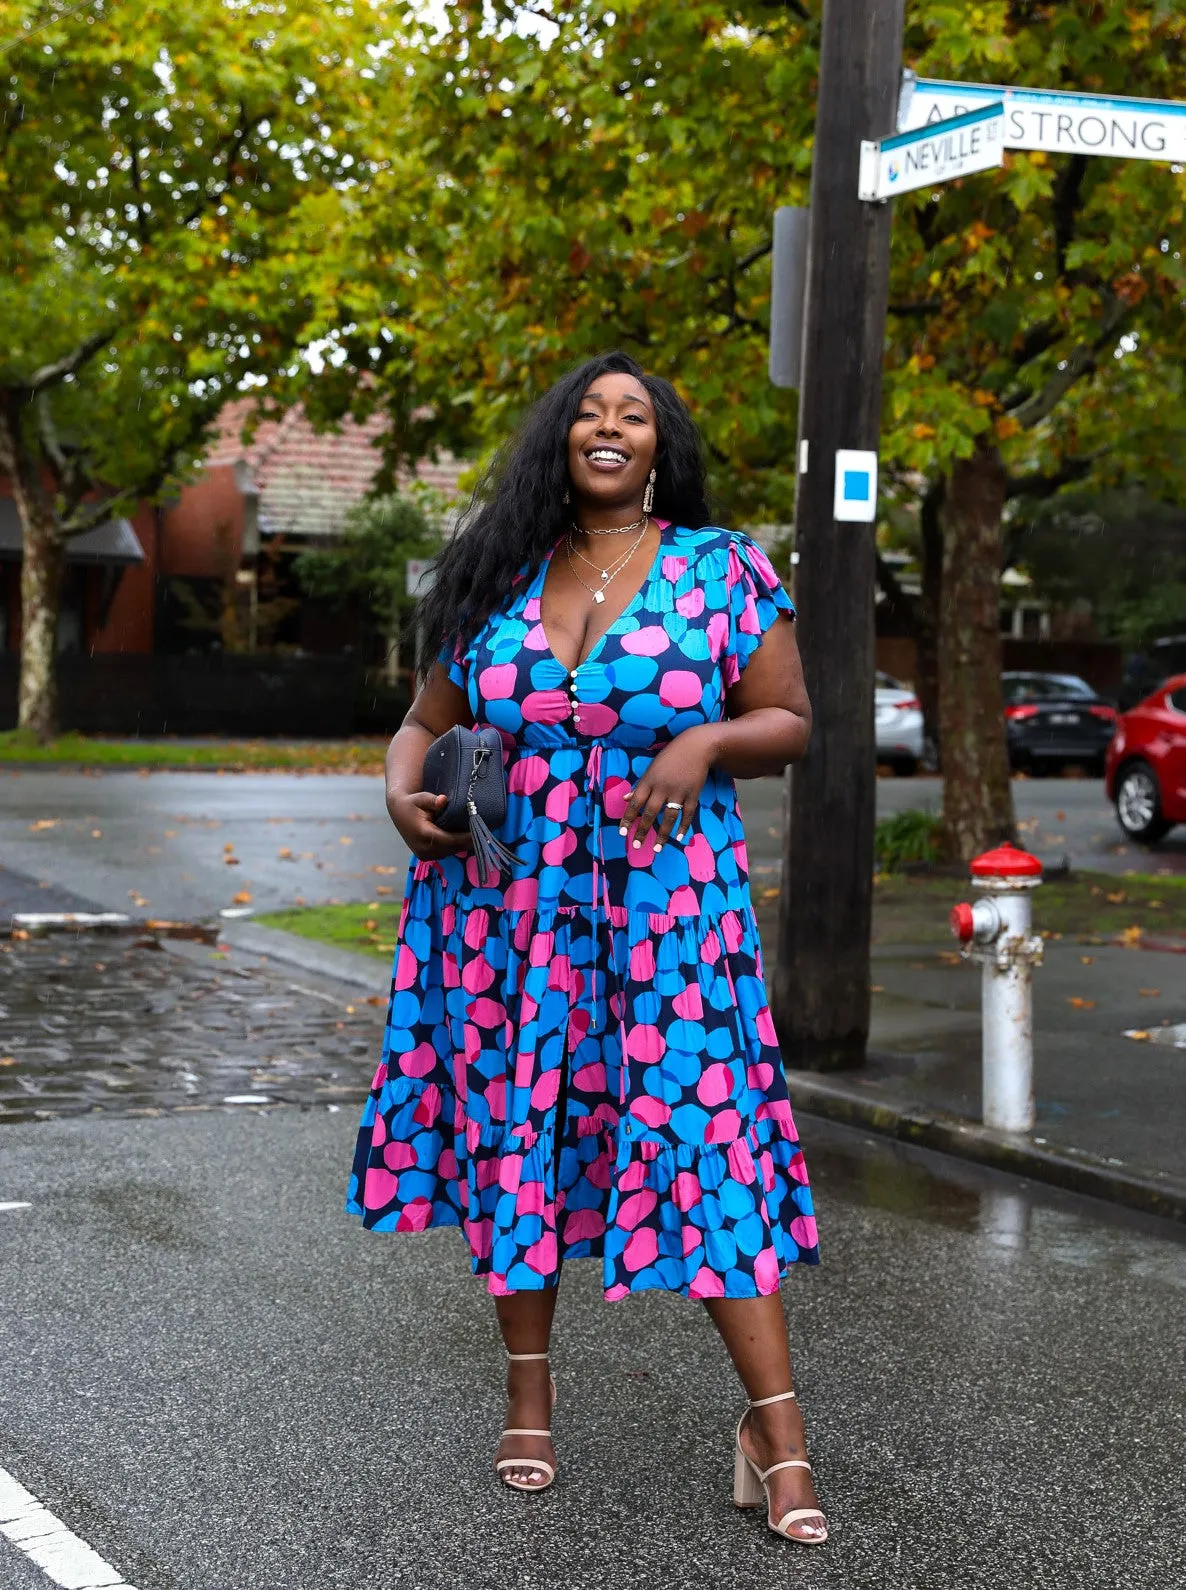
(518, 510)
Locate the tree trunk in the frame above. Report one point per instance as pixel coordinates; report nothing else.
(44, 558)
(977, 797)
(929, 608)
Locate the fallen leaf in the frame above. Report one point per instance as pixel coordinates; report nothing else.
(1087, 960)
(876, 988)
(43, 822)
(1131, 936)
(370, 924)
(1080, 1004)
(951, 958)
(375, 999)
(96, 833)
(152, 850)
(344, 840)
(242, 898)
(1150, 993)
(7, 1060)
(770, 894)
(1060, 817)
(1138, 1033)
(382, 888)
(170, 833)
(285, 855)
(1155, 905)
(227, 849)
(1116, 899)
(350, 1010)
(382, 869)
(231, 861)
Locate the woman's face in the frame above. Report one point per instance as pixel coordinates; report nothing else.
(611, 446)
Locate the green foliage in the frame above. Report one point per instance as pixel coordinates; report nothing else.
(19, 746)
(907, 837)
(160, 171)
(371, 559)
(544, 191)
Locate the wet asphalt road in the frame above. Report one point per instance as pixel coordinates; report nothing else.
(221, 1383)
(185, 844)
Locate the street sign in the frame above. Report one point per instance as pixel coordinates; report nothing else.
(856, 485)
(1055, 120)
(419, 577)
(932, 153)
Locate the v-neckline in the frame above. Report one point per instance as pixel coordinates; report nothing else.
(541, 581)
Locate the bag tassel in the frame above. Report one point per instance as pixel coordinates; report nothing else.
(489, 851)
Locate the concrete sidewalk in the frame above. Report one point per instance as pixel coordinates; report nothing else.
(1109, 1106)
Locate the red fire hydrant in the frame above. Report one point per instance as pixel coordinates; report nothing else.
(995, 931)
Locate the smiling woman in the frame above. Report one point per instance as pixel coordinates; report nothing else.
(581, 1062)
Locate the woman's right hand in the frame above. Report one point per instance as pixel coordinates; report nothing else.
(413, 817)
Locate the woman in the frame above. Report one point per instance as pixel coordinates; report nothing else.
(579, 1061)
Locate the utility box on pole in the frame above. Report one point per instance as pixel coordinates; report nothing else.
(820, 985)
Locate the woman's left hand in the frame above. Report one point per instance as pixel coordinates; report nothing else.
(666, 795)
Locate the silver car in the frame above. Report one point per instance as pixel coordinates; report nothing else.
(899, 725)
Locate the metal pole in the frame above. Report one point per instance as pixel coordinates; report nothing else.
(1007, 1015)
(820, 984)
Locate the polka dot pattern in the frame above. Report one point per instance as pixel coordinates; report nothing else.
(579, 1061)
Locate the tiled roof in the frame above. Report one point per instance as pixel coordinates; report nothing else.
(308, 481)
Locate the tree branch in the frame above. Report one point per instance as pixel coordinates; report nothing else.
(51, 374)
(1033, 410)
(238, 138)
(1038, 485)
(924, 306)
(1068, 196)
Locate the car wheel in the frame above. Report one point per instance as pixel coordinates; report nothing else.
(905, 766)
(1138, 804)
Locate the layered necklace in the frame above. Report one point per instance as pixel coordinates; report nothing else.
(611, 570)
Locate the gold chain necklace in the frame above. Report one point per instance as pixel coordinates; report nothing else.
(618, 530)
(610, 569)
(607, 575)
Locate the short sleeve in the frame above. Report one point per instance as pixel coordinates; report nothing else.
(755, 599)
(452, 660)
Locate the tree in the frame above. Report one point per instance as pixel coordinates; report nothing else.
(371, 562)
(611, 178)
(158, 183)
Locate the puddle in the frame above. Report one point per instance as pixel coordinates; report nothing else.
(1006, 1213)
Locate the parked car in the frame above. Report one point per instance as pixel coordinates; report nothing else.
(1055, 719)
(899, 725)
(1146, 771)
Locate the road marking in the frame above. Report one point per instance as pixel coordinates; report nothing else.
(3, 1207)
(45, 1540)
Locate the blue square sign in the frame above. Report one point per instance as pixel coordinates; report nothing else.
(857, 485)
(855, 494)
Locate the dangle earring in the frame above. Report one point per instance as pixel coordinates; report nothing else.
(648, 496)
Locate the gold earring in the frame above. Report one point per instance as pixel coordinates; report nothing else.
(648, 496)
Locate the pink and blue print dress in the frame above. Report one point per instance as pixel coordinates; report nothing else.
(580, 1062)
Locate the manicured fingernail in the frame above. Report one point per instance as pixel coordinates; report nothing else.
(636, 843)
(658, 848)
(623, 831)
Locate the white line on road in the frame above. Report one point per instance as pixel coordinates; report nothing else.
(3, 1207)
(45, 1540)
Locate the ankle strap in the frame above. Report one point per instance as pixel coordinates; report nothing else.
(783, 1396)
(523, 1358)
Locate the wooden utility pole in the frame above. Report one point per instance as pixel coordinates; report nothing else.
(820, 986)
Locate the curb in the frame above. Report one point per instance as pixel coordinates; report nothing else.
(1068, 1168)
(360, 971)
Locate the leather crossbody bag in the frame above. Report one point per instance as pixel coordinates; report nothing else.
(466, 766)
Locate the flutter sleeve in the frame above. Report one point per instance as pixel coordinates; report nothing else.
(755, 599)
(452, 660)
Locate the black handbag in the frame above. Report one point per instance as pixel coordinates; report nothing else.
(466, 765)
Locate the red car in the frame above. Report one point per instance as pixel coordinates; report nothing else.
(1145, 768)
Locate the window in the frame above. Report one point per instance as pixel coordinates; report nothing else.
(1177, 699)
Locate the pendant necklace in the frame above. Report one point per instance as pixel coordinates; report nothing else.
(607, 574)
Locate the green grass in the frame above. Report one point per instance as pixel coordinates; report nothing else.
(909, 836)
(366, 929)
(907, 909)
(1093, 906)
(19, 748)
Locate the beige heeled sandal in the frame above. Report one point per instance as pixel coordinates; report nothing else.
(524, 1462)
(750, 1488)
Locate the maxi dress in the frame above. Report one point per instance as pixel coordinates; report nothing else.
(579, 1061)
